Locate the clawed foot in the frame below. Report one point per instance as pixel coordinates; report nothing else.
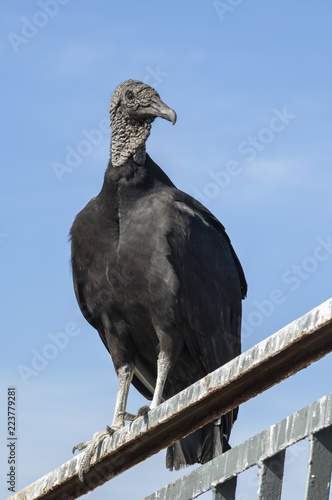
(143, 410)
(91, 448)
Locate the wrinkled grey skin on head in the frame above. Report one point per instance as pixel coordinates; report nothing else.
(134, 106)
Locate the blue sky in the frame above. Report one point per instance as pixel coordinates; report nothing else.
(251, 85)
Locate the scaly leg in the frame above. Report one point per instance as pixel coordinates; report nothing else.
(125, 375)
(163, 366)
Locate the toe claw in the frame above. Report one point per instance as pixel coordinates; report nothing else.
(80, 446)
(143, 410)
(110, 430)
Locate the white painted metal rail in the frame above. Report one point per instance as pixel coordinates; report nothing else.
(294, 347)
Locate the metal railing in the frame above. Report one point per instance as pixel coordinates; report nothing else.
(267, 451)
(292, 348)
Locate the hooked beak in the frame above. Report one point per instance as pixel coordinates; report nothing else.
(159, 108)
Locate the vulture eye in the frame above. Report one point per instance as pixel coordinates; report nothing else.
(130, 95)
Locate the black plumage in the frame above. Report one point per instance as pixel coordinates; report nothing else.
(156, 275)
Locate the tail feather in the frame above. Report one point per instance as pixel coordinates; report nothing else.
(200, 446)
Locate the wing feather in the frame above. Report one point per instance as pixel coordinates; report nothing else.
(211, 284)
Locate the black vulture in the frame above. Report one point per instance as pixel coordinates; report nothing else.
(156, 275)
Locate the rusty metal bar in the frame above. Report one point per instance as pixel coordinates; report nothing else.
(294, 347)
(266, 444)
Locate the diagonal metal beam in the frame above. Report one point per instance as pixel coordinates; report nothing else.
(292, 348)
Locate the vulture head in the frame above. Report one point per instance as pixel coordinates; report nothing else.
(134, 106)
